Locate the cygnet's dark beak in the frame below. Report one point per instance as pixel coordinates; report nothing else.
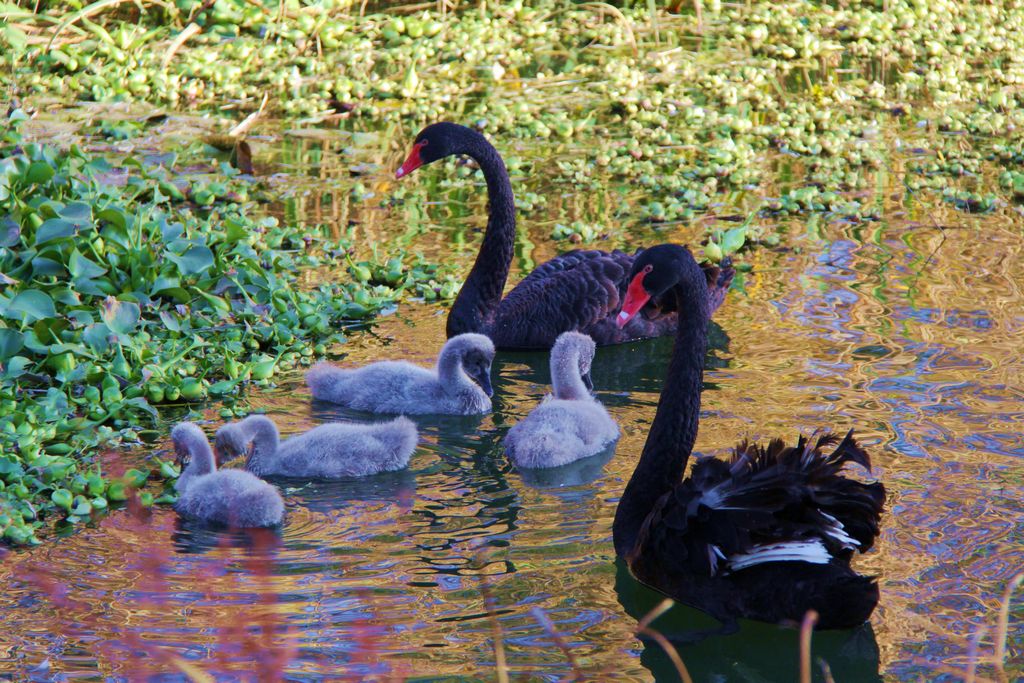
(587, 382)
(483, 378)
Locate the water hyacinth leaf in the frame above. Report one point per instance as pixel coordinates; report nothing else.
(142, 404)
(14, 37)
(78, 213)
(11, 341)
(10, 466)
(38, 172)
(54, 229)
(194, 261)
(170, 321)
(81, 317)
(733, 239)
(114, 216)
(81, 267)
(31, 305)
(10, 232)
(81, 506)
(47, 267)
(120, 316)
(97, 337)
(62, 498)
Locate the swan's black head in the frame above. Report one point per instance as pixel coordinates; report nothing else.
(436, 141)
(655, 271)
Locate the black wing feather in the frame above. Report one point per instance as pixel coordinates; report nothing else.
(764, 494)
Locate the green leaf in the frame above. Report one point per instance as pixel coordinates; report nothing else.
(16, 367)
(120, 316)
(115, 216)
(170, 322)
(10, 232)
(11, 342)
(31, 305)
(192, 262)
(54, 229)
(78, 213)
(82, 267)
(62, 498)
(45, 267)
(733, 239)
(15, 38)
(39, 172)
(97, 337)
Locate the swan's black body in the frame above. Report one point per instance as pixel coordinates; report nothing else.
(578, 291)
(767, 535)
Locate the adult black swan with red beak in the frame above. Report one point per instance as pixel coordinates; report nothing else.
(579, 291)
(767, 534)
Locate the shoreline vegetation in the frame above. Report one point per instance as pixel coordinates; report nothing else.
(128, 286)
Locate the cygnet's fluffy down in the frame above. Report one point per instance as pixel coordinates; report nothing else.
(330, 451)
(231, 497)
(460, 384)
(570, 423)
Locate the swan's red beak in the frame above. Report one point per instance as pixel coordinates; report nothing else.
(636, 297)
(412, 162)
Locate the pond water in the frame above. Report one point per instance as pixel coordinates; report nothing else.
(906, 331)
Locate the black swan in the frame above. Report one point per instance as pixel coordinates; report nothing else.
(460, 384)
(570, 423)
(329, 451)
(579, 290)
(231, 497)
(766, 535)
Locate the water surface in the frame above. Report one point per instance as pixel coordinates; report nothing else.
(905, 332)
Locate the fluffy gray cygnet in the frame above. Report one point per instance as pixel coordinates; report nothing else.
(460, 383)
(570, 423)
(232, 497)
(330, 451)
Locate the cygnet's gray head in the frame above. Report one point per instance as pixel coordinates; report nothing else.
(189, 442)
(572, 348)
(230, 442)
(239, 438)
(475, 353)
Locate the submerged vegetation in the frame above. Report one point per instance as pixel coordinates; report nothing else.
(128, 285)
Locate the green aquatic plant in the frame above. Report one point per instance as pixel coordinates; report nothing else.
(119, 297)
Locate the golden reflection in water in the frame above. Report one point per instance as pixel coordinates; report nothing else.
(906, 333)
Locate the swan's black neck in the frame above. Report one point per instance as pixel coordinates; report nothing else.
(485, 284)
(674, 430)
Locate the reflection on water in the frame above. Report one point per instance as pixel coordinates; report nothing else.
(912, 340)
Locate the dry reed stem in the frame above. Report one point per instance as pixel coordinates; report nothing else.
(806, 629)
(95, 8)
(552, 631)
(605, 8)
(249, 121)
(643, 629)
(826, 671)
(176, 44)
(972, 655)
(500, 663)
(1003, 622)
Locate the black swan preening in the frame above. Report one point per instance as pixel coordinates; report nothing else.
(767, 535)
(579, 290)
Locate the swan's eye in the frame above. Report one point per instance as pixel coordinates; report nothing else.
(648, 268)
